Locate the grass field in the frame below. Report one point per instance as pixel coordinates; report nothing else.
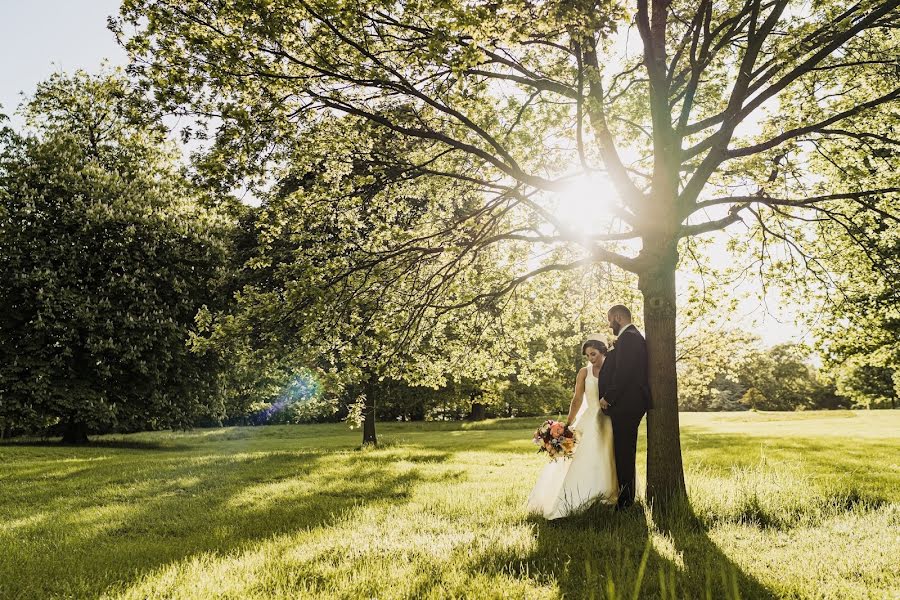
(797, 505)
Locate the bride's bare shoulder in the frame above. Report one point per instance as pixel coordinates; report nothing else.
(582, 373)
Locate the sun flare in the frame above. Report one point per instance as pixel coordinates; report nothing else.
(585, 205)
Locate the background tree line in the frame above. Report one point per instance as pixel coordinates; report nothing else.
(139, 294)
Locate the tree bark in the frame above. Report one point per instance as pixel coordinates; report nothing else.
(75, 433)
(369, 438)
(665, 472)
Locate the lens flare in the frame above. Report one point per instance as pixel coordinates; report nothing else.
(301, 389)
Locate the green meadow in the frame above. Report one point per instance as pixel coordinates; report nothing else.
(794, 505)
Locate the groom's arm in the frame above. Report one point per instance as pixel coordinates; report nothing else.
(606, 371)
(627, 361)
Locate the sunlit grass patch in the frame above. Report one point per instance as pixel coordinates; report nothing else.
(437, 511)
(775, 495)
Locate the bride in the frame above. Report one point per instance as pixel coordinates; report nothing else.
(566, 486)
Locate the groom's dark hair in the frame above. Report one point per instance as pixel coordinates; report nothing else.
(620, 309)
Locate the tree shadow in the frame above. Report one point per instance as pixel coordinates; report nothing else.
(603, 553)
(599, 553)
(115, 444)
(614, 557)
(704, 570)
(124, 520)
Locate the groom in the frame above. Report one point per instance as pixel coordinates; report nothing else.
(625, 395)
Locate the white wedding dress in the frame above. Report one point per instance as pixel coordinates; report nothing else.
(566, 486)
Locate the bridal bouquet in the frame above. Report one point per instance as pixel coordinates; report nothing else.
(556, 439)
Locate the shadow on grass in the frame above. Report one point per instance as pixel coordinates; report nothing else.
(106, 529)
(116, 444)
(705, 571)
(603, 553)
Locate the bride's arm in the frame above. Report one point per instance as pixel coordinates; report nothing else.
(579, 394)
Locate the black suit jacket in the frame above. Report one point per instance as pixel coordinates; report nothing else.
(604, 379)
(624, 385)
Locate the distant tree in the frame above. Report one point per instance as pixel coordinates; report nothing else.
(106, 255)
(827, 396)
(306, 259)
(784, 378)
(707, 363)
(725, 395)
(754, 399)
(732, 365)
(857, 327)
(867, 385)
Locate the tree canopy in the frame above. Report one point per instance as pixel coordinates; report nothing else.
(711, 115)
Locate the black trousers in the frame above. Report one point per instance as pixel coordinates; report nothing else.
(625, 433)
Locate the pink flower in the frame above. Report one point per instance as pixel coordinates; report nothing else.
(557, 429)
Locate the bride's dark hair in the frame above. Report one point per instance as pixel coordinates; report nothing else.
(596, 344)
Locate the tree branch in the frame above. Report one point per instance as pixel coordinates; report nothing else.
(793, 133)
(700, 228)
(812, 200)
(630, 193)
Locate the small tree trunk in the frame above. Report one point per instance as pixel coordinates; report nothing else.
(665, 472)
(75, 433)
(477, 412)
(417, 413)
(369, 438)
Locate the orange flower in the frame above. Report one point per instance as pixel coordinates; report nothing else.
(557, 429)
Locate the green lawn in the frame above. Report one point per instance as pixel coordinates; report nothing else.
(799, 505)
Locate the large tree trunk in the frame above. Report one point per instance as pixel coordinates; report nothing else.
(75, 433)
(665, 473)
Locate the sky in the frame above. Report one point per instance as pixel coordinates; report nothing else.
(40, 37)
